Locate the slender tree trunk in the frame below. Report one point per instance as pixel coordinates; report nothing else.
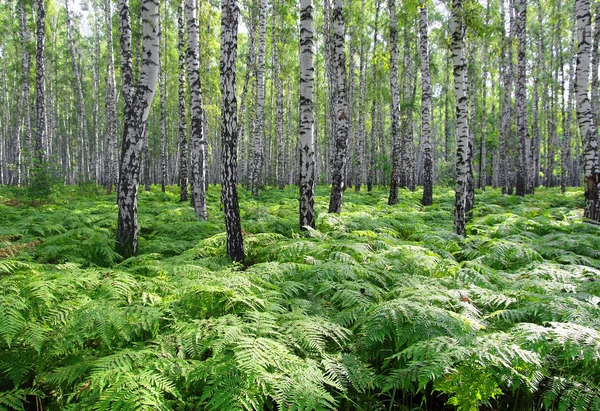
(197, 141)
(306, 132)
(257, 163)
(472, 92)
(111, 165)
(40, 138)
(163, 104)
(484, 125)
(182, 127)
(462, 115)
(406, 113)
(229, 129)
(566, 144)
(584, 114)
(521, 97)
(341, 110)
(278, 104)
(395, 109)
(373, 138)
(360, 135)
(505, 129)
(136, 109)
(23, 116)
(80, 98)
(426, 109)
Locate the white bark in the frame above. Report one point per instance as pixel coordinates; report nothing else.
(306, 131)
(197, 140)
(462, 114)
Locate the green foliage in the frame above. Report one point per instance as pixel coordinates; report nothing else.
(379, 307)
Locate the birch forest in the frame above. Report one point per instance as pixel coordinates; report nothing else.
(310, 205)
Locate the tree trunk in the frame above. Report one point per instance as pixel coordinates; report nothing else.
(505, 129)
(80, 98)
(306, 141)
(426, 110)
(395, 109)
(197, 141)
(278, 104)
(584, 114)
(136, 109)
(257, 162)
(182, 127)
(111, 165)
(462, 114)
(341, 110)
(360, 134)
(162, 68)
(521, 97)
(229, 129)
(40, 138)
(373, 138)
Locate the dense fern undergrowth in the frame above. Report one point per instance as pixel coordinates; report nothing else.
(379, 308)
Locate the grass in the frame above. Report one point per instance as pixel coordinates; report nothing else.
(377, 308)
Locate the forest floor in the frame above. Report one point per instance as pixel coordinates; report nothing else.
(378, 308)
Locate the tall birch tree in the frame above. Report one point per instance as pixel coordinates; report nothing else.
(137, 101)
(462, 114)
(584, 113)
(197, 140)
(229, 129)
(306, 143)
(341, 110)
(395, 109)
(426, 108)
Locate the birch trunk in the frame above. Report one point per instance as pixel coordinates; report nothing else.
(278, 105)
(395, 109)
(462, 114)
(229, 129)
(505, 129)
(111, 149)
(426, 109)
(373, 138)
(40, 138)
(584, 114)
(182, 126)
(341, 110)
(306, 131)
(257, 156)
(136, 109)
(521, 97)
(163, 105)
(197, 140)
(360, 134)
(79, 94)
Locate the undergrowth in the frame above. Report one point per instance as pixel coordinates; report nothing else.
(379, 308)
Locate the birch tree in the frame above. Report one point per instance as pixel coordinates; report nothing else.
(395, 109)
(229, 129)
(521, 97)
(306, 141)
(462, 124)
(182, 126)
(137, 100)
(82, 116)
(111, 164)
(341, 110)
(584, 114)
(40, 85)
(426, 108)
(197, 140)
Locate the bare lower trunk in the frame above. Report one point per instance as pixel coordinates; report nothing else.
(341, 110)
(426, 110)
(197, 140)
(136, 109)
(229, 129)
